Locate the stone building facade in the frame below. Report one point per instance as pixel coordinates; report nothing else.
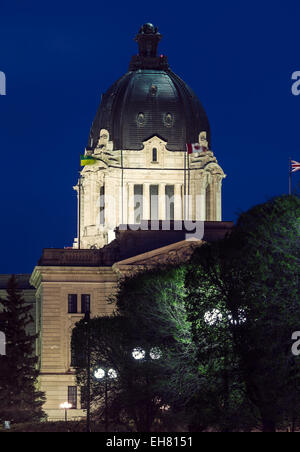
(136, 200)
(65, 278)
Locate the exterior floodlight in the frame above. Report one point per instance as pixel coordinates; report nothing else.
(99, 373)
(105, 374)
(240, 318)
(138, 353)
(212, 317)
(111, 373)
(66, 406)
(155, 353)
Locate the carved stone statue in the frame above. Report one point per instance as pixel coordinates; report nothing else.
(203, 141)
(102, 142)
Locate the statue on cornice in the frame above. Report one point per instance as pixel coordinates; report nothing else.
(203, 141)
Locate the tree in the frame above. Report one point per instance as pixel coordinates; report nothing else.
(154, 302)
(131, 396)
(150, 314)
(20, 401)
(251, 280)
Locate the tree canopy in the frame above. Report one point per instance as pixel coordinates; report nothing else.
(20, 400)
(222, 326)
(250, 283)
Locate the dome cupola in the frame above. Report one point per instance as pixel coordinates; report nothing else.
(149, 100)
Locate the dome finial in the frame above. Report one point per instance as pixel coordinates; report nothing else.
(148, 38)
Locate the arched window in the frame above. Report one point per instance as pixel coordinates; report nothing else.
(154, 155)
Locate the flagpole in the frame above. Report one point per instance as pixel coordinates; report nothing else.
(290, 177)
(184, 185)
(188, 212)
(122, 186)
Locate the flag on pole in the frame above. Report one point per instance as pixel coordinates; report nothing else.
(295, 166)
(195, 147)
(86, 160)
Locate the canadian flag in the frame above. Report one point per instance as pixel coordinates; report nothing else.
(295, 166)
(195, 147)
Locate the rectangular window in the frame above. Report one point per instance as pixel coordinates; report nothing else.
(72, 303)
(169, 195)
(85, 303)
(154, 202)
(72, 396)
(138, 203)
(102, 205)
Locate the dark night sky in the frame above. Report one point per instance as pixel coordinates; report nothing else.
(59, 57)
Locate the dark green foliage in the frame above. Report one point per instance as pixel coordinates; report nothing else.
(131, 396)
(223, 324)
(57, 427)
(150, 313)
(154, 302)
(20, 401)
(252, 278)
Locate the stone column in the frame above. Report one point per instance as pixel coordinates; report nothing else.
(162, 201)
(200, 199)
(192, 215)
(208, 198)
(131, 203)
(146, 201)
(82, 208)
(94, 199)
(178, 204)
(219, 198)
(125, 204)
(214, 198)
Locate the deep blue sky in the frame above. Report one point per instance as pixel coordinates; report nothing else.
(59, 57)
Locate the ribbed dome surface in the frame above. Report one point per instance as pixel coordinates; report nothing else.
(149, 100)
